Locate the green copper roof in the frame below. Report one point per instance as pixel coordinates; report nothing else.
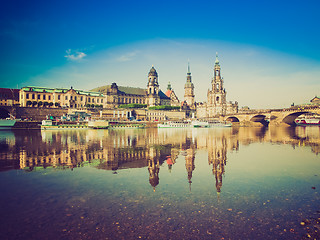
(60, 90)
(217, 60)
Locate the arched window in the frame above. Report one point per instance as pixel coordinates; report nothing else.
(217, 99)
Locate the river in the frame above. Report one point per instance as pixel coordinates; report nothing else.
(219, 183)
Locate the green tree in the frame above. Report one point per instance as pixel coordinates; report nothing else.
(40, 103)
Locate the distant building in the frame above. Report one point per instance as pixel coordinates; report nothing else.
(216, 104)
(189, 91)
(59, 97)
(174, 101)
(151, 96)
(315, 101)
(9, 97)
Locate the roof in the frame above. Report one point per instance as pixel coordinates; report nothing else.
(132, 90)
(168, 93)
(153, 72)
(60, 90)
(163, 96)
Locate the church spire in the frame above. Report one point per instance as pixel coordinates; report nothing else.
(217, 60)
(189, 73)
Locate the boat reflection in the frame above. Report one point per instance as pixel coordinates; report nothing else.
(141, 148)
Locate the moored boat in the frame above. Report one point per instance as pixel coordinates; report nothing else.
(126, 125)
(308, 121)
(51, 125)
(7, 123)
(175, 124)
(209, 124)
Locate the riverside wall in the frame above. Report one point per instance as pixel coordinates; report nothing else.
(39, 114)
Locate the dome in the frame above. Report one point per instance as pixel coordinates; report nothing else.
(153, 72)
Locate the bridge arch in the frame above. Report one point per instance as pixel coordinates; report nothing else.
(290, 118)
(260, 118)
(232, 119)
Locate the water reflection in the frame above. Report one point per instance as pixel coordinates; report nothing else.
(147, 148)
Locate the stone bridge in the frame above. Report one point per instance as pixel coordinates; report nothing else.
(272, 116)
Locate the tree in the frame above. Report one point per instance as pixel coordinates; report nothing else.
(45, 104)
(34, 103)
(29, 103)
(133, 105)
(40, 103)
(92, 105)
(57, 104)
(50, 104)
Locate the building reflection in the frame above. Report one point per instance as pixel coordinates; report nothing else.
(152, 149)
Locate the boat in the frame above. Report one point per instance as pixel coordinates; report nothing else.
(53, 125)
(98, 124)
(126, 125)
(7, 123)
(175, 124)
(308, 121)
(209, 124)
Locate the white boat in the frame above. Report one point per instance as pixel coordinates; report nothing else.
(175, 124)
(7, 123)
(308, 121)
(209, 124)
(50, 125)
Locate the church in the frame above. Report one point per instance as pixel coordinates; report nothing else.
(216, 104)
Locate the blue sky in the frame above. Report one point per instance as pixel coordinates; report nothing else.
(269, 50)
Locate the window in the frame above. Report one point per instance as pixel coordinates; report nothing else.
(38, 96)
(81, 98)
(70, 97)
(89, 99)
(98, 100)
(33, 97)
(66, 97)
(44, 97)
(101, 100)
(49, 97)
(75, 98)
(27, 95)
(58, 97)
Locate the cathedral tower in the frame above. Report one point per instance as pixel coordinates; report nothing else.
(217, 96)
(189, 90)
(153, 88)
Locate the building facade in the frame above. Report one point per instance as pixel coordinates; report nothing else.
(151, 96)
(60, 97)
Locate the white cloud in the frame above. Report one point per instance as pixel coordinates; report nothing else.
(127, 57)
(74, 55)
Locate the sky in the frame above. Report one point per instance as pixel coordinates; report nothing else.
(269, 51)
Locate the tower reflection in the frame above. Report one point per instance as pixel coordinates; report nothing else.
(145, 148)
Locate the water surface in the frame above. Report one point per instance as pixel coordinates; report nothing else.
(234, 183)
